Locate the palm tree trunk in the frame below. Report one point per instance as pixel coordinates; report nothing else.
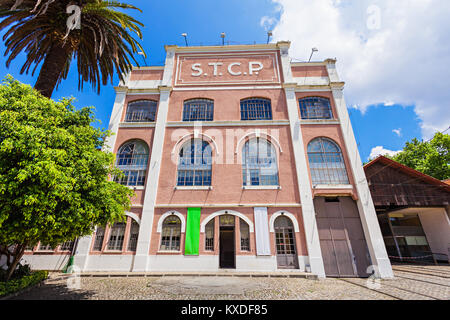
(52, 69)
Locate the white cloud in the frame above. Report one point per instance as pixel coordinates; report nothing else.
(405, 60)
(381, 151)
(398, 132)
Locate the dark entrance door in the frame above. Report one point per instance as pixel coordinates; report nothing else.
(285, 243)
(227, 242)
(342, 240)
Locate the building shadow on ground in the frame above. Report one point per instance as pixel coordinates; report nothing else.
(54, 291)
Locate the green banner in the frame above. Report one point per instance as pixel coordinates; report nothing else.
(192, 232)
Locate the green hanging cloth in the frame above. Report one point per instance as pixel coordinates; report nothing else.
(192, 232)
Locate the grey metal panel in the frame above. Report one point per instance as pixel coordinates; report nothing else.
(342, 240)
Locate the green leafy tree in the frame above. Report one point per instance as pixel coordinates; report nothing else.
(54, 176)
(102, 42)
(429, 157)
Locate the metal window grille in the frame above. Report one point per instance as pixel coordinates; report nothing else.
(198, 110)
(194, 166)
(259, 163)
(284, 240)
(134, 233)
(245, 235)
(67, 246)
(116, 237)
(209, 236)
(171, 234)
(315, 108)
(141, 111)
(99, 236)
(132, 159)
(256, 109)
(326, 163)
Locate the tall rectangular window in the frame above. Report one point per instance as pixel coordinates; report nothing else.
(99, 236)
(116, 237)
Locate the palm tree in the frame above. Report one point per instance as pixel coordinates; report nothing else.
(101, 44)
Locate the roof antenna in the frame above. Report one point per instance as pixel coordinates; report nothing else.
(312, 52)
(143, 56)
(185, 38)
(269, 34)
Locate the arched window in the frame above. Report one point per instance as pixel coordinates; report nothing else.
(326, 162)
(198, 110)
(171, 234)
(134, 233)
(245, 235)
(315, 108)
(256, 109)
(209, 236)
(259, 163)
(116, 236)
(141, 111)
(132, 159)
(194, 166)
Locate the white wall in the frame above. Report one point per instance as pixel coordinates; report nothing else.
(436, 226)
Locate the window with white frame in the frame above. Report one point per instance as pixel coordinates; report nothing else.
(256, 109)
(171, 234)
(116, 237)
(132, 159)
(259, 163)
(315, 108)
(326, 162)
(141, 111)
(198, 110)
(134, 233)
(195, 164)
(209, 236)
(244, 229)
(99, 236)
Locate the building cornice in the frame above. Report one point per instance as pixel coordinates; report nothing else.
(121, 89)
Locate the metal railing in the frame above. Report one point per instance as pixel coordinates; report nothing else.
(141, 116)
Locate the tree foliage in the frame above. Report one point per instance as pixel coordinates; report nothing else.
(429, 157)
(103, 43)
(54, 176)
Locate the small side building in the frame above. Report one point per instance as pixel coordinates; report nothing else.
(413, 211)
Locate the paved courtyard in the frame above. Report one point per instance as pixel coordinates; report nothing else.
(411, 283)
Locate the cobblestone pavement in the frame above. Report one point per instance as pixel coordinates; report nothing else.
(411, 282)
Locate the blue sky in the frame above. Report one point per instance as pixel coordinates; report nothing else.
(246, 21)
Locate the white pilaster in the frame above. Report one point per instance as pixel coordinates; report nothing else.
(145, 230)
(81, 256)
(366, 208)
(119, 104)
(304, 185)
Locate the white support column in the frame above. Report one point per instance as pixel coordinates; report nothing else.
(145, 230)
(81, 257)
(304, 185)
(366, 208)
(119, 104)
